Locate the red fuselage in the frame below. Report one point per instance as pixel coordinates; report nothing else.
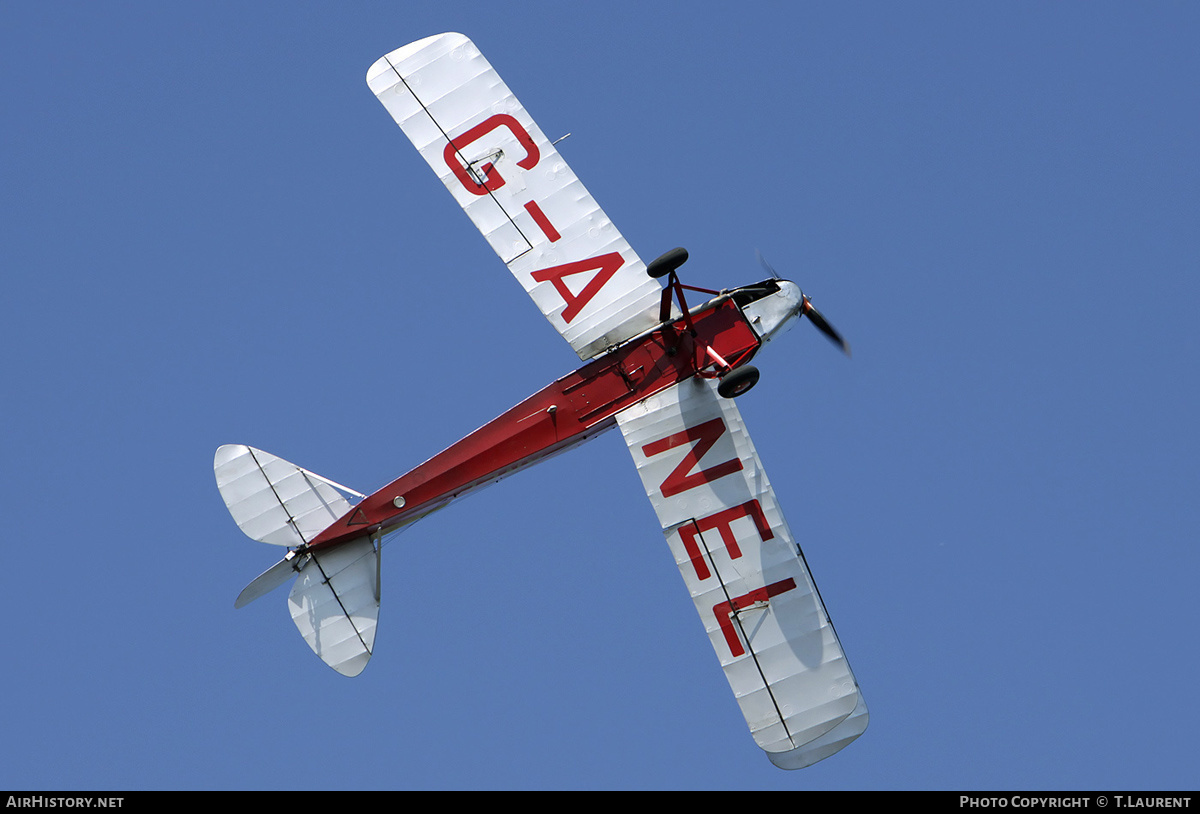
(569, 411)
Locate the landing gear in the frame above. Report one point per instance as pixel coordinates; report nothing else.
(734, 380)
(667, 263)
(738, 381)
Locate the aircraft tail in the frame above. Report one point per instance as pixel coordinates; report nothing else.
(334, 601)
(274, 501)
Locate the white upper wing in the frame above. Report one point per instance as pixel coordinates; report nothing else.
(745, 573)
(518, 191)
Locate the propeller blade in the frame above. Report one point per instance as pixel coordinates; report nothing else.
(823, 326)
(807, 309)
(763, 262)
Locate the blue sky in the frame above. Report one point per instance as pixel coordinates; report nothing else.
(213, 233)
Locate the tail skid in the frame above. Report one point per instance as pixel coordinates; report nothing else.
(335, 599)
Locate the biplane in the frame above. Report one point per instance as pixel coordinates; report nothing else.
(664, 373)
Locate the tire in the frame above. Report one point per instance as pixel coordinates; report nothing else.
(668, 262)
(738, 381)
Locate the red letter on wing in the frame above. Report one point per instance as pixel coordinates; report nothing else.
(722, 521)
(725, 610)
(492, 181)
(605, 266)
(682, 478)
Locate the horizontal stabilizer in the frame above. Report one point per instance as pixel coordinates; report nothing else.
(335, 604)
(272, 500)
(272, 578)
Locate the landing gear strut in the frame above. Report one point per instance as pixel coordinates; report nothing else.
(734, 381)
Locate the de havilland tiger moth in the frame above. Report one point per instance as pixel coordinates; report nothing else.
(665, 373)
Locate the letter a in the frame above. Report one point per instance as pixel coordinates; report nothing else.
(605, 266)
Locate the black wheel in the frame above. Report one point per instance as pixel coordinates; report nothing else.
(738, 381)
(665, 263)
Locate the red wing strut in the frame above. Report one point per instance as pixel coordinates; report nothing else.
(744, 571)
(516, 188)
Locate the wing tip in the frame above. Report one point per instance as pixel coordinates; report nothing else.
(388, 63)
(827, 745)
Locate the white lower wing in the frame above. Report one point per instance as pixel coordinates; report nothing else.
(744, 571)
(516, 188)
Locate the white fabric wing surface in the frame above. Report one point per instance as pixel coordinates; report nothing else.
(516, 188)
(745, 573)
(335, 605)
(830, 743)
(272, 500)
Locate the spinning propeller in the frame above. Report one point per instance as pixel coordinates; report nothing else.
(807, 309)
(823, 325)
